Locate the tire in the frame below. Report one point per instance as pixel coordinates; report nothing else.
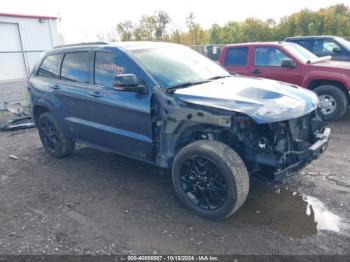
(333, 102)
(231, 186)
(52, 137)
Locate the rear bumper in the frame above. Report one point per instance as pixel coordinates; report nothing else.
(310, 154)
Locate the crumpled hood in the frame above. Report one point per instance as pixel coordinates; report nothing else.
(265, 101)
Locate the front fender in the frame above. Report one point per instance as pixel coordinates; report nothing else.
(326, 76)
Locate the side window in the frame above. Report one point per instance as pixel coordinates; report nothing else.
(75, 67)
(325, 47)
(107, 66)
(50, 67)
(236, 56)
(306, 44)
(269, 56)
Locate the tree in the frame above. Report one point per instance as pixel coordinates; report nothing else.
(125, 30)
(231, 33)
(176, 36)
(215, 35)
(161, 21)
(255, 30)
(334, 20)
(196, 34)
(146, 28)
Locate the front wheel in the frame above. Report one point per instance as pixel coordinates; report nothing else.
(210, 179)
(333, 102)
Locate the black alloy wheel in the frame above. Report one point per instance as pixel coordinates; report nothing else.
(49, 135)
(52, 138)
(203, 183)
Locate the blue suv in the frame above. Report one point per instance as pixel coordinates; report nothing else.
(336, 47)
(167, 105)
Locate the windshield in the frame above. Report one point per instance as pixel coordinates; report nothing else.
(344, 43)
(173, 65)
(301, 53)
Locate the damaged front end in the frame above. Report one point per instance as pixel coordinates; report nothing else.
(273, 127)
(283, 147)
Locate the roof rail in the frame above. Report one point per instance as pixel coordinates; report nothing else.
(84, 43)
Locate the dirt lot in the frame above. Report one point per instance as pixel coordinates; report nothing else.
(99, 203)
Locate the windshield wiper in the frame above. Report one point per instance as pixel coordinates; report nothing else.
(219, 77)
(186, 84)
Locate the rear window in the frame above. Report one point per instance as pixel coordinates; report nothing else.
(50, 68)
(305, 43)
(237, 56)
(75, 67)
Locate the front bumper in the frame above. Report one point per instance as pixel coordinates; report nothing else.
(310, 154)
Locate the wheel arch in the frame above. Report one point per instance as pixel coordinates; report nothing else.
(192, 134)
(185, 134)
(38, 110)
(320, 82)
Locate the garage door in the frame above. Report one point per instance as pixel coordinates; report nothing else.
(12, 64)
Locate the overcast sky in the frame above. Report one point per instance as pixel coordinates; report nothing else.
(82, 20)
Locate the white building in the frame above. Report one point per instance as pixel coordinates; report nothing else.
(23, 38)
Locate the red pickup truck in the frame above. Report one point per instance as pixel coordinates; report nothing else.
(294, 64)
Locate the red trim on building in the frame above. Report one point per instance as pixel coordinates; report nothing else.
(29, 16)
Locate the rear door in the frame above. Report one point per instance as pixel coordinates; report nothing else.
(71, 92)
(118, 120)
(236, 60)
(267, 63)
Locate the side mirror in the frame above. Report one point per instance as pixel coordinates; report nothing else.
(288, 63)
(336, 49)
(127, 82)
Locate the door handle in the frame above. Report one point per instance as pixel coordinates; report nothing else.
(256, 71)
(55, 87)
(95, 94)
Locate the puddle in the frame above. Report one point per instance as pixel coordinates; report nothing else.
(325, 219)
(285, 211)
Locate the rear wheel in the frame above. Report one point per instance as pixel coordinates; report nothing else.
(333, 102)
(52, 138)
(210, 179)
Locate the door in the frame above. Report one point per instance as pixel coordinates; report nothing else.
(70, 91)
(236, 60)
(118, 120)
(267, 63)
(12, 63)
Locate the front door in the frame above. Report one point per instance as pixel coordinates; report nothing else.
(118, 120)
(268, 64)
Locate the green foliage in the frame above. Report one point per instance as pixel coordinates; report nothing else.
(334, 20)
(150, 27)
(125, 30)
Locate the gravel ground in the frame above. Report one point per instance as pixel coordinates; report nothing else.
(12, 92)
(95, 202)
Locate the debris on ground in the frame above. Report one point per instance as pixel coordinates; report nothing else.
(15, 108)
(22, 120)
(13, 157)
